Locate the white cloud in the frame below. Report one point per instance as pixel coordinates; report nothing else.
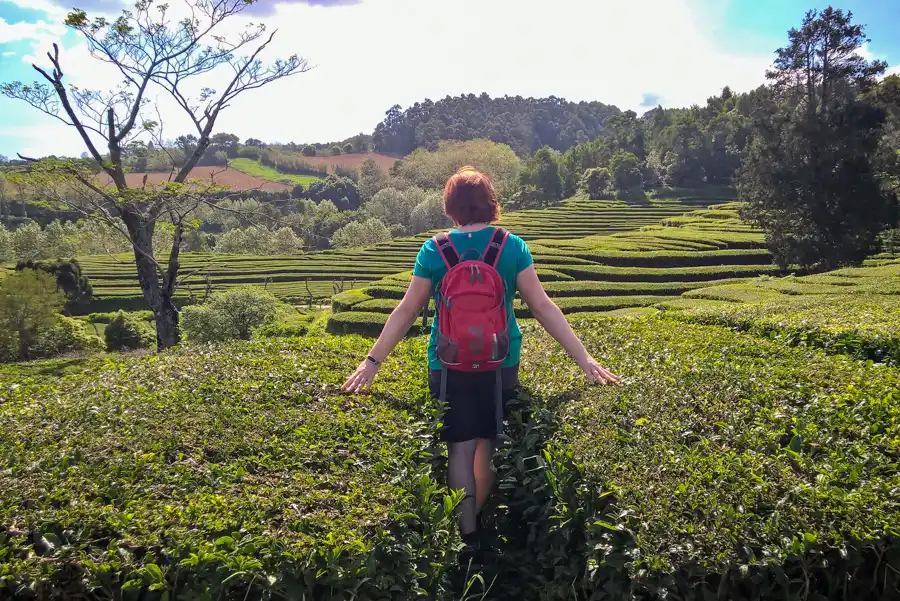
(895, 70)
(373, 55)
(17, 32)
(52, 9)
(8, 53)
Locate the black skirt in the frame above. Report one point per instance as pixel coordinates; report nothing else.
(471, 409)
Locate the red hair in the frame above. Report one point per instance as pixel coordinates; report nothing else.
(469, 197)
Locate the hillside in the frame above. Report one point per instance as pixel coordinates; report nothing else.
(114, 285)
(525, 124)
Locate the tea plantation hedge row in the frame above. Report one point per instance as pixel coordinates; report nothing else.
(607, 273)
(115, 286)
(725, 466)
(232, 472)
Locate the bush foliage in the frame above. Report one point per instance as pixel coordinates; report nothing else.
(127, 331)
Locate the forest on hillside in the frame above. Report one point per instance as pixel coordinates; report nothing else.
(524, 124)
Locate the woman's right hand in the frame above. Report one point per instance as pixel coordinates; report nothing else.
(596, 373)
(361, 379)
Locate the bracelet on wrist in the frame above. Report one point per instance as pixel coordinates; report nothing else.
(373, 360)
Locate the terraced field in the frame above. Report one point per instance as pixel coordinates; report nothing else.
(699, 250)
(318, 276)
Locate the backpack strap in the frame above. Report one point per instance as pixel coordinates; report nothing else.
(447, 250)
(495, 247)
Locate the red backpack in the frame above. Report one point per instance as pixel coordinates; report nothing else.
(473, 326)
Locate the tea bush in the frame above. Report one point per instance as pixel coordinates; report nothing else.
(866, 326)
(232, 472)
(724, 467)
(126, 331)
(66, 335)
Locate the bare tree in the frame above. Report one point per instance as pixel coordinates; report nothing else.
(150, 49)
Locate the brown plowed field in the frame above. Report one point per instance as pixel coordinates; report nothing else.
(352, 161)
(235, 180)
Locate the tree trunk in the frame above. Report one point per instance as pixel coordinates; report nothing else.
(23, 346)
(164, 310)
(167, 333)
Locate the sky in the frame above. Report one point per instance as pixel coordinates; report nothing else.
(368, 55)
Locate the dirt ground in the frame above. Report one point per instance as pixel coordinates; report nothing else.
(352, 161)
(235, 180)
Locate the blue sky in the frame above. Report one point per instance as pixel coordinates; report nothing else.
(371, 54)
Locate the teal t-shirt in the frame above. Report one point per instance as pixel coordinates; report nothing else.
(514, 258)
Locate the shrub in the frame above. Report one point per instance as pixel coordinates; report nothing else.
(335, 150)
(29, 305)
(199, 323)
(365, 323)
(756, 473)
(288, 322)
(65, 335)
(866, 326)
(309, 151)
(236, 313)
(128, 332)
(348, 148)
(301, 496)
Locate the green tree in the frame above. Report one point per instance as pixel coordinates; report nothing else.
(27, 242)
(542, 175)
(284, 241)
(809, 178)
(335, 151)
(394, 207)
(429, 214)
(595, 182)
(6, 247)
(155, 52)
(431, 169)
(371, 179)
(342, 191)
(57, 242)
(29, 303)
(227, 143)
(70, 280)
(309, 150)
(626, 174)
(361, 233)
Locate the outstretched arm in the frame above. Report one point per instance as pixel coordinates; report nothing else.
(395, 329)
(552, 319)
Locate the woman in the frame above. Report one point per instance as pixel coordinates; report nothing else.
(470, 427)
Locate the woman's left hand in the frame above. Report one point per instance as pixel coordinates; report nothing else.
(361, 379)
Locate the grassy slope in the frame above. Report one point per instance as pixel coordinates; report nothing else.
(256, 169)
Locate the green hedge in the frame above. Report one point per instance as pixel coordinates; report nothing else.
(865, 326)
(724, 467)
(365, 323)
(741, 293)
(108, 317)
(595, 288)
(750, 256)
(676, 274)
(575, 304)
(345, 300)
(236, 474)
